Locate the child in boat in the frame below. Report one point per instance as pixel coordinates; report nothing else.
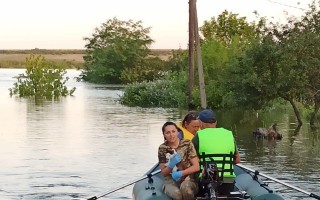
(179, 184)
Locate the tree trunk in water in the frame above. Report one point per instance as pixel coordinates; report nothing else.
(316, 109)
(296, 112)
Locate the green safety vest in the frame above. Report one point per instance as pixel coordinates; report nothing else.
(217, 141)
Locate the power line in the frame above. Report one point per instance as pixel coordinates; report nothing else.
(288, 5)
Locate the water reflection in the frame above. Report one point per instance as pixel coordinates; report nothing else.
(87, 144)
(294, 159)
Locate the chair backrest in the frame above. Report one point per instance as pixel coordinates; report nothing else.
(224, 163)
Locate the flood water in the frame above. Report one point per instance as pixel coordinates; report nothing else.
(87, 144)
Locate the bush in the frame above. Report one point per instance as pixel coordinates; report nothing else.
(169, 92)
(41, 80)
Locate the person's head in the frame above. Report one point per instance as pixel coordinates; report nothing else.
(170, 132)
(191, 123)
(207, 118)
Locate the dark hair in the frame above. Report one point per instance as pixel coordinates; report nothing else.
(168, 124)
(192, 115)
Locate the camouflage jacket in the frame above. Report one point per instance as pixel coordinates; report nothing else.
(186, 151)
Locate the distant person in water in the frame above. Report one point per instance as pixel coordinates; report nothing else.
(189, 126)
(178, 163)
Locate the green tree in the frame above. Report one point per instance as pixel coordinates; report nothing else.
(225, 38)
(41, 80)
(284, 63)
(227, 27)
(114, 47)
(252, 77)
(300, 42)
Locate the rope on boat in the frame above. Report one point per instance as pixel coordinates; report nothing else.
(279, 181)
(126, 185)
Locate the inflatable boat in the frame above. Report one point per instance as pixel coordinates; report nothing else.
(248, 185)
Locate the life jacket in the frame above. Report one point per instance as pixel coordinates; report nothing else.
(218, 141)
(186, 134)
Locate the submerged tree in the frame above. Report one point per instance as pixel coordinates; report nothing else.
(284, 64)
(41, 80)
(115, 48)
(300, 40)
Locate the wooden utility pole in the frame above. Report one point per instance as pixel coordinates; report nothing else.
(203, 97)
(191, 52)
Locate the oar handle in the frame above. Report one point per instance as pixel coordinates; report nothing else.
(279, 181)
(314, 196)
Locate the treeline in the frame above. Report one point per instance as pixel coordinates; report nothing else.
(246, 64)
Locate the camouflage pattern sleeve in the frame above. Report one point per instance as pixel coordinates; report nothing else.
(162, 151)
(191, 150)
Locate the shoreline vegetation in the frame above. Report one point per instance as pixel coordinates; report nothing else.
(73, 58)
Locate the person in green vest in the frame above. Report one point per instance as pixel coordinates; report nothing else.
(213, 140)
(178, 163)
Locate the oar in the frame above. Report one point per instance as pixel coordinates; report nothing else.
(126, 185)
(281, 182)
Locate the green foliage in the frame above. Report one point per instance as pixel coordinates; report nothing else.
(148, 70)
(179, 61)
(114, 47)
(308, 112)
(299, 69)
(225, 38)
(252, 66)
(169, 92)
(226, 27)
(216, 61)
(283, 63)
(255, 76)
(41, 80)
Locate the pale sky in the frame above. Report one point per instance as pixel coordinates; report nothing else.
(62, 24)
